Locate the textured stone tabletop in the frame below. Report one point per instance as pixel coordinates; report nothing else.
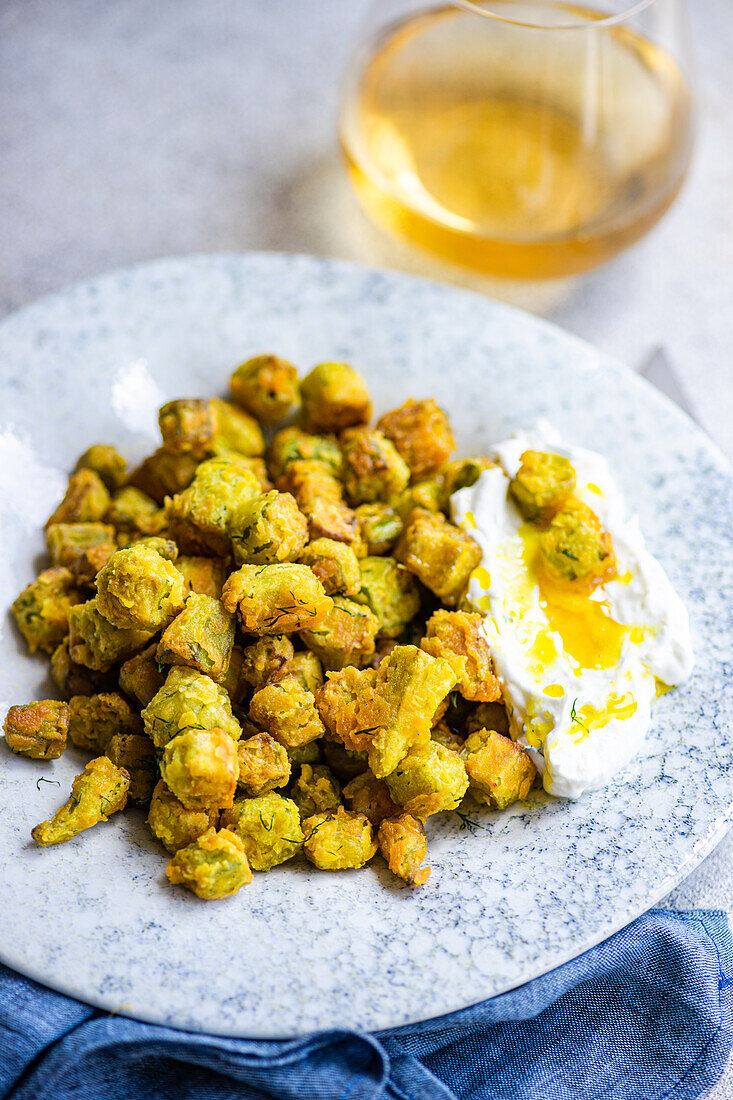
(132, 130)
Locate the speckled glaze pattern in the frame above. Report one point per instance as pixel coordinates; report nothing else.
(300, 950)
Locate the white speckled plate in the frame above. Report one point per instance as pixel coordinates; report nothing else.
(299, 950)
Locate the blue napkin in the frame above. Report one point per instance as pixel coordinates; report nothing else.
(645, 1015)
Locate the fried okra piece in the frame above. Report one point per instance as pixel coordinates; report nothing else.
(167, 548)
(265, 658)
(367, 795)
(338, 840)
(200, 516)
(320, 498)
(234, 683)
(334, 397)
(380, 526)
(421, 433)
(316, 790)
(67, 542)
(456, 637)
(107, 463)
(445, 736)
(542, 484)
(201, 637)
(402, 842)
(269, 828)
(269, 528)
(201, 768)
(163, 474)
(276, 599)
(440, 554)
(135, 753)
(345, 763)
(41, 611)
(460, 474)
(499, 771)
(133, 512)
(287, 711)
(98, 645)
(305, 754)
(389, 590)
(575, 547)
(291, 445)
(37, 730)
(86, 500)
(372, 467)
(266, 386)
(489, 716)
(428, 780)
(99, 791)
(188, 426)
(350, 708)
(73, 679)
(306, 668)
(142, 677)
(139, 590)
(89, 563)
(174, 825)
(205, 576)
(188, 700)
(263, 764)
(236, 431)
(214, 866)
(345, 637)
(94, 719)
(335, 564)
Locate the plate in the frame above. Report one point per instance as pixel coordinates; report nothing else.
(526, 890)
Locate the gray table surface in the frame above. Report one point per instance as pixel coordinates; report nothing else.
(131, 130)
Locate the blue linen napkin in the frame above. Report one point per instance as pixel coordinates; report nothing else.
(646, 1015)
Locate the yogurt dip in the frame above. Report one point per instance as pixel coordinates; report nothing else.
(580, 671)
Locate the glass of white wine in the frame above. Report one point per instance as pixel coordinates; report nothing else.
(522, 138)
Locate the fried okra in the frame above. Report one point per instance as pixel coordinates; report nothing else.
(172, 823)
(490, 716)
(37, 730)
(276, 599)
(269, 828)
(89, 562)
(201, 768)
(334, 397)
(188, 426)
(201, 637)
(73, 679)
(163, 474)
(306, 668)
(269, 528)
(98, 645)
(445, 736)
(291, 445)
(440, 554)
(320, 498)
(133, 512)
(335, 564)
(380, 526)
(575, 547)
(421, 433)
(139, 590)
(316, 790)
(365, 794)
(199, 518)
(499, 771)
(107, 463)
(100, 790)
(402, 842)
(233, 683)
(236, 431)
(389, 590)
(213, 866)
(460, 474)
(204, 576)
(428, 780)
(345, 763)
(188, 700)
(94, 719)
(86, 500)
(372, 467)
(67, 542)
(136, 754)
(41, 611)
(287, 711)
(456, 637)
(265, 658)
(305, 754)
(266, 386)
(339, 840)
(141, 677)
(542, 484)
(263, 764)
(345, 637)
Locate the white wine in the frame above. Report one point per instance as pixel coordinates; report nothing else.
(528, 158)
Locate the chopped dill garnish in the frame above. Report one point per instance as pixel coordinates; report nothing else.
(42, 779)
(468, 824)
